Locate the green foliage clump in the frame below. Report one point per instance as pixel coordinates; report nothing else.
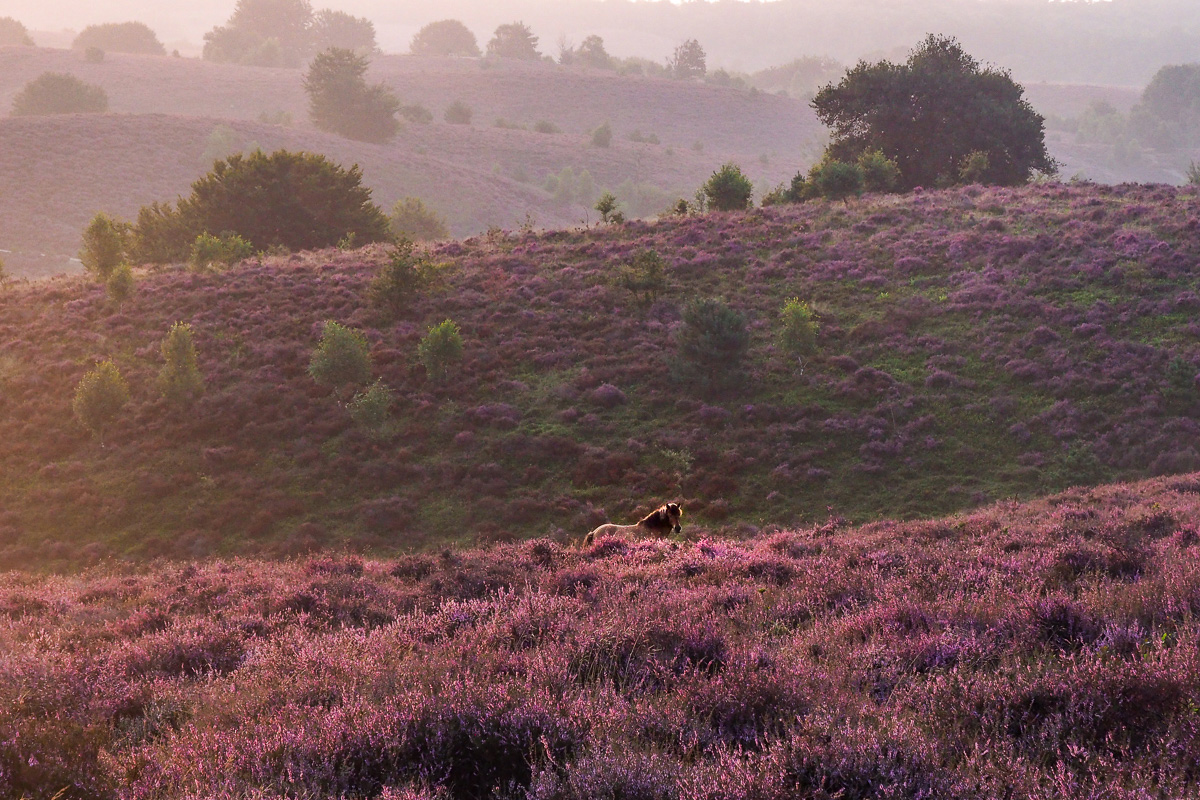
(441, 348)
(416, 114)
(880, 173)
(591, 53)
(226, 249)
(13, 33)
(340, 101)
(120, 37)
(797, 328)
(59, 93)
(331, 28)
(644, 276)
(728, 189)
(447, 37)
(688, 61)
(458, 113)
(602, 136)
(105, 242)
(342, 357)
(609, 213)
(798, 191)
(371, 408)
(514, 40)
(263, 33)
(99, 397)
(412, 219)
(974, 168)
(837, 180)
(120, 283)
(711, 344)
(297, 201)
(930, 113)
(179, 380)
(404, 277)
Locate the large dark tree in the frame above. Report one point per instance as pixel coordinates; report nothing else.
(514, 40)
(447, 37)
(932, 114)
(263, 33)
(299, 201)
(340, 101)
(339, 29)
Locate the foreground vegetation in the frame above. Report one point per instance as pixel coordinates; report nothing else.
(969, 345)
(1036, 651)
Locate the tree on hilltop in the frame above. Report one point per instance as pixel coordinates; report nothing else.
(13, 32)
(688, 61)
(263, 33)
(339, 29)
(448, 37)
(514, 40)
(341, 101)
(59, 93)
(120, 37)
(930, 114)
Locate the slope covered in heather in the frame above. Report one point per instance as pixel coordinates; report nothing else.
(1039, 651)
(974, 345)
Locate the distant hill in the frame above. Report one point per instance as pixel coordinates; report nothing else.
(974, 345)
(478, 175)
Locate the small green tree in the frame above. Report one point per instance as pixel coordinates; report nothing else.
(728, 189)
(179, 380)
(688, 61)
(342, 358)
(120, 283)
(837, 180)
(441, 348)
(607, 206)
(105, 241)
(711, 344)
(226, 249)
(371, 409)
(644, 276)
(59, 93)
(99, 398)
(458, 113)
(447, 37)
(514, 40)
(797, 328)
(340, 101)
(602, 136)
(880, 173)
(403, 278)
(412, 219)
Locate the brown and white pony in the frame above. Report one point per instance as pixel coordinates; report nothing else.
(661, 522)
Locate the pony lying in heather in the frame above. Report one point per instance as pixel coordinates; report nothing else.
(661, 522)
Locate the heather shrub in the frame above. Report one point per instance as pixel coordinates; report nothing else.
(404, 276)
(99, 397)
(12, 32)
(105, 241)
(711, 344)
(798, 329)
(179, 380)
(602, 136)
(458, 113)
(837, 180)
(728, 189)
(340, 101)
(226, 249)
(59, 93)
(441, 348)
(120, 37)
(644, 276)
(342, 357)
(371, 409)
(412, 219)
(120, 283)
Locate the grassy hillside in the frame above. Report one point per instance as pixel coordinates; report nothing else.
(1039, 651)
(974, 345)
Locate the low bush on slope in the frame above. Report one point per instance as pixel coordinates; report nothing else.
(970, 344)
(1036, 651)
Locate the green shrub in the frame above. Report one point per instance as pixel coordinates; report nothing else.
(226, 249)
(417, 114)
(880, 173)
(459, 113)
(441, 348)
(371, 409)
(105, 241)
(837, 180)
(59, 93)
(798, 329)
(711, 344)
(602, 136)
(447, 37)
(607, 206)
(974, 167)
(342, 358)
(179, 379)
(404, 277)
(120, 283)
(644, 276)
(514, 40)
(99, 398)
(341, 102)
(728, 189)
(297, 201)
(120, 37)
(412, 219)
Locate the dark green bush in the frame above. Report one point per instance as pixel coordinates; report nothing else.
(340, 101)
(179, 380)
(404, 277)
(120, 283)
(441, 348)
(880, 173)
(99, 397)
(644, 276)
(602, 136)
(728, 189)
(12, 32)
(459, 113)
(105, 242)
(59, 93)
(120, 37)
(447, 37)
(711, 344)
(837, 180)
(342, 358)
(226, 249)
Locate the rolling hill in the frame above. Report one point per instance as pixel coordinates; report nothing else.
(974, 345)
